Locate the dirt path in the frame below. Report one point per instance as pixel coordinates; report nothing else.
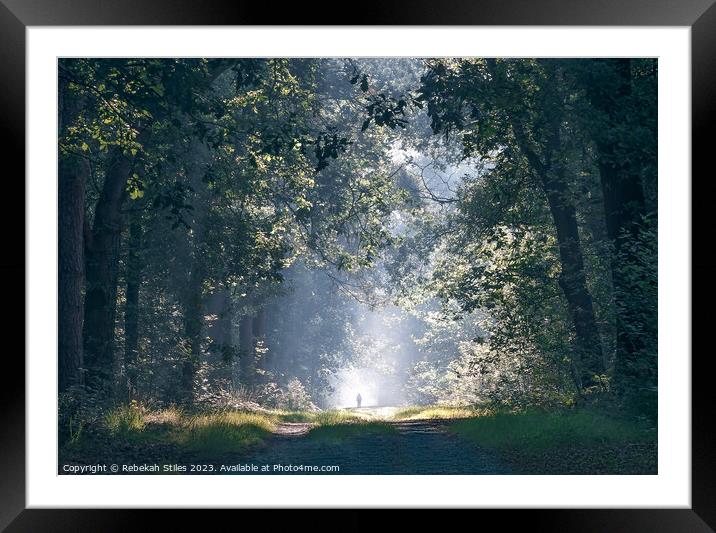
(415, 447)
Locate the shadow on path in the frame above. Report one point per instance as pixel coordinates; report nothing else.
(415, 447)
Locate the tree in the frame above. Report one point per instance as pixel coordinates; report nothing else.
(102, 256)
(72, 179)
(512, 113)
(506, 204)
(620, 116)
(132, 98)
(131, 306)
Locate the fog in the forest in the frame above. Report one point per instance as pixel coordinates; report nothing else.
(295, 232)
(343, 334)
(323, 261)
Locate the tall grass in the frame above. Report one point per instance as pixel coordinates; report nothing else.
(172, 416)
(438, 412)
(321, 418)
(220, 432)
(226, 432)
(125, 420)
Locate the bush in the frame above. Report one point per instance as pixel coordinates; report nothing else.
(294, 397)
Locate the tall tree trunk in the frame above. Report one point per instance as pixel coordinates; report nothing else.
(589, 360)
(624, 207)
(547, 162)
(622, 188)
(247, 357)
(219, 331)
(73, 174)
(131, 307)
(102, 255)
(193, 322)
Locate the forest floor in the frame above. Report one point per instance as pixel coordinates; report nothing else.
(370, 440)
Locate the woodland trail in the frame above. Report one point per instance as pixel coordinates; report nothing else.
(412, 447)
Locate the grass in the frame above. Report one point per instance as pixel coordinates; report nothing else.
(210, 433)
(226, 432)
(565, 442)
(125, 421)
(342, 431)
(541, 430)
(435, 412)
(337, 425)
(539, 442)
(320, 418)
(171, 416)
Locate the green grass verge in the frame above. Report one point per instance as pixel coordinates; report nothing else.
(434, 412)
(565, 442)
(210, 433)
(320, 418)
(338, 425)
(224, 432)
(535, 442)
(342, 431)
(540, 430)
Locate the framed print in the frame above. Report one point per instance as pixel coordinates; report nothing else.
(436, 258)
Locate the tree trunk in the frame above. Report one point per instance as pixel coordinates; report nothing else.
(73, 173)
(624, 207)
(131, 308)
(193, 321)
(621, 185)
(247, 359)
(589, 360)
(547, 162)
(102, 254)
(622, 225)
(219, 331)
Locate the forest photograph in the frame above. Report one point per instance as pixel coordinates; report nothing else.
(326, 266)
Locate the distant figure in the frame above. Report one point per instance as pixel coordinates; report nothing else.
(359, 399)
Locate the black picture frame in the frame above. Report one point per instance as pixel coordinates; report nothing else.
(16, 15)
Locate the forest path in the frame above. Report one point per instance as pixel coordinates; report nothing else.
(407, 447)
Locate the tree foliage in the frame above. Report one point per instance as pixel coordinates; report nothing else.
(232, 230)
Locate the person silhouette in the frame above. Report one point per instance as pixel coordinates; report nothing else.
(359, 399)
